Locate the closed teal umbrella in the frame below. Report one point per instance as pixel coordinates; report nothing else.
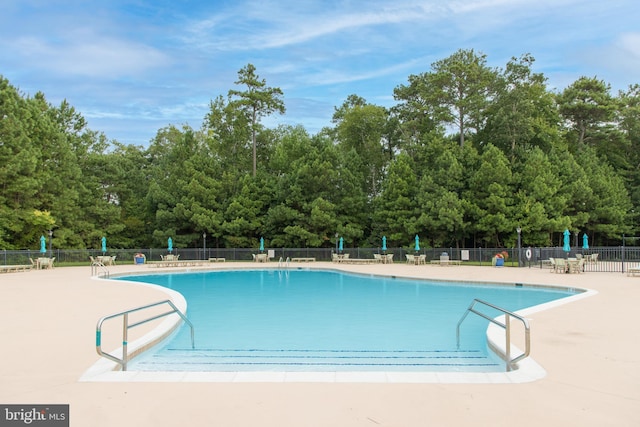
(384, 243)
(261, 244)
(43, 245)
(417, 243)
(566, 246)
(170, 244)
(341, 245)
(104, 244)
(585, 241)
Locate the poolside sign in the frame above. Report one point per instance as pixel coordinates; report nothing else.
(34, 415)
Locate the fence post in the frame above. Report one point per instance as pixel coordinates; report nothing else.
(623, 245)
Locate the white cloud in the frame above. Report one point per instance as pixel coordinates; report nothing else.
(332, 76)
(302, 30)
(629, 44)
(616, 62)
(87, 55)
(276, 26)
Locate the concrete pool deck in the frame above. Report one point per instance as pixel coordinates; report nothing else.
(589, 349)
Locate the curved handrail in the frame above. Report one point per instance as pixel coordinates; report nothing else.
(95, 265)
(126, 326)
(506, 326)
(282, 263)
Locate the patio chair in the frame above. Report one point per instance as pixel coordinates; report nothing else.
(572, 265)
(410, 259)
(561, 265)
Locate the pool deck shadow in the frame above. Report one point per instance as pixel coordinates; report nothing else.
(588, 349)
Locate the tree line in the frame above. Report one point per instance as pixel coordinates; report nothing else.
(467, 154)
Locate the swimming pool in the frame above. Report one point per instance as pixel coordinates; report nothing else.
(318, 320)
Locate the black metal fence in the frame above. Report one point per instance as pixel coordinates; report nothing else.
(609, 259)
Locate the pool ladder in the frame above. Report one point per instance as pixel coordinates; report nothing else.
(126, 326)
(96, 266)
(506, 325)
(282, 263)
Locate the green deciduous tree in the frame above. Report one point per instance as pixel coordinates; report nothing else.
(523, 113)
(361, 129)
(228, 134)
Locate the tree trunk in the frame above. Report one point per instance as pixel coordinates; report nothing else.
(253, 139)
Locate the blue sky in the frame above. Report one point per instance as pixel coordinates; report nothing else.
(133, 67)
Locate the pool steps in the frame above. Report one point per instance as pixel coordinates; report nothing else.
(207, 360)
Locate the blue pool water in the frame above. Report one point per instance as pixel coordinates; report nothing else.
(311, 320)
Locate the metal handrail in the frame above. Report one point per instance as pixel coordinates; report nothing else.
(126, 326)
(98, 265)
(282, 263)
(506, 326)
